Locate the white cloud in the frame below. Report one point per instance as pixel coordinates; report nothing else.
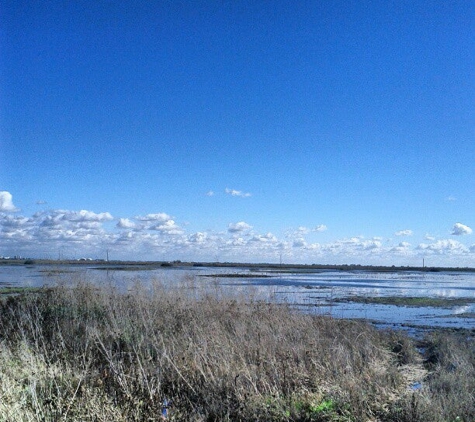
(447, 246)
(428, 236)
(236, 241)
(125, 223)
(313, 246)
(238, 227)
(160, 217)
(169, 227)
(451, 198)
(158, 236)
(321, 228)
(198, 237)
(234, 192)
(299, 243)
(403, 249)
(371, 244)
(84, 215)
(53, 229)
(406, 232)
(210, 193)
(6, 202)
(269, 237)
(460, 229)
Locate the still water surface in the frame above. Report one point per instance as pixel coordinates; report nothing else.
(311, 291)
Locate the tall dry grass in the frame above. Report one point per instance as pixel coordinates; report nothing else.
(80, 352)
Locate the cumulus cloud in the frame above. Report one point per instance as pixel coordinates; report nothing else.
(313, 246)
(198, 237)
(238, 227)
(236, 241)
(446, 246)
(299, 243)
(125, 223)
(356, 248)
(159, 236)
(169, 227)
(6, 202)
(53, 229)
(234, 192)
(269, 237)
(83, 216)
(402, 249)
(371, 244)
(406, 232)
(460, 229)
(159, 217)
(298, 233)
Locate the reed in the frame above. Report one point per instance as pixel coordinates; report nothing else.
(81, 352)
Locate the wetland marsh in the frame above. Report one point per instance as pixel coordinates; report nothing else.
(394, 299)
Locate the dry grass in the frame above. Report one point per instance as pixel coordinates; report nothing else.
(87, 353)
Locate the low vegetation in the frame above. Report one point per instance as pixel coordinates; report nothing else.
(417, 301)
(80, 352)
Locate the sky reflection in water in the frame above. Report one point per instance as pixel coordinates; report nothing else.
(314, 292)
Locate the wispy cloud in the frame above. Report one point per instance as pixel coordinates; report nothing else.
(406, 232)
(234, 192)
(450, 198)
(210, 193)
(321, 228)
(460, 229)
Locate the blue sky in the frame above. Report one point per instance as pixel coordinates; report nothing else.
(319, 131)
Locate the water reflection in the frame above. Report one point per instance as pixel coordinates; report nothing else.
(315, 292)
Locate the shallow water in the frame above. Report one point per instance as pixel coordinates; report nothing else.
(311, 291)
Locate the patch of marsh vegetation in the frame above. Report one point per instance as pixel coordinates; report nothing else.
(468, 315)
(235, 275)
(125, 268)
(10, 290)
(433, 302)
(55, 271)
(81, 352)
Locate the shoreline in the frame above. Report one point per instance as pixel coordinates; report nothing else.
(142, 265)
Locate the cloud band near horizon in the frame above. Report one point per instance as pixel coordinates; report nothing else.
(157, 236)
